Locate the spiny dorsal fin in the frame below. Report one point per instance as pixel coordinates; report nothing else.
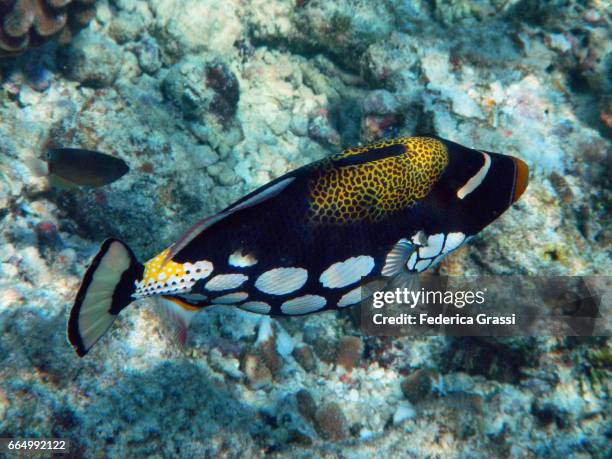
(250, 200)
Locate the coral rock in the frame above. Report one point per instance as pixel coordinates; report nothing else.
(28, 23)
(331, 422)
(92, 60)
(198, 87)
(269, 356)
(418, 385)
(349, 352)
(306, 404)
(380, 102)
(305, 357)
(257, 373)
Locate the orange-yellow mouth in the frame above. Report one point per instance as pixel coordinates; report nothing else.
(521, 178)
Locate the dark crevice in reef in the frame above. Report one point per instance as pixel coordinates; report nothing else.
(345, 62)
(345, 116)
(493, 360)
(424, 122)
(587, 102)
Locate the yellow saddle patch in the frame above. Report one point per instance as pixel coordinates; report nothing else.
(156, 270)
(372, 189)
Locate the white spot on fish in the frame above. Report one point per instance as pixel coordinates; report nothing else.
(412, 261)
(453, 240)
(225, 282)
(194, 297)
(280, 281)
(476, 179)
(303, 304)
(433, 247)
(240, 260)
(258, 307)
(231, 298)
(419, 238)
(349, 298)
(422, 265)
(347, 272)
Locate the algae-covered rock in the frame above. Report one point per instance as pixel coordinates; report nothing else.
(92, 59)
(200, 88)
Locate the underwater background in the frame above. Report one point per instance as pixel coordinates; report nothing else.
(205, 101)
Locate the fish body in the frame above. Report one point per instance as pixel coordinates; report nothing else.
(76, 167)
(303, 242)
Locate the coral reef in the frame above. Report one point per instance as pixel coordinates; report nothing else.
(205, 103)
(91, 60)
(28, 23)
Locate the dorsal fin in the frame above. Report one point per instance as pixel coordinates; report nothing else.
(262, 194)
(371, 153)
(250, 200)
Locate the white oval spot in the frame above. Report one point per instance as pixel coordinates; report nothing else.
(258, 307)
(225, 282)
(411, 261)
(198, 270)
(241, 260)
(280, 281)
(422, 265)
(419, 238)
(194, 297)
(433, 247)
(347, 272)
(453, 240)
(476, 179)
(303, 304)
(349, 298)
(231, 298)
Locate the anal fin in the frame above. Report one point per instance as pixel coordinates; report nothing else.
(176, 315)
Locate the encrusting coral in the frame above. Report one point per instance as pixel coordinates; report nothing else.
(28, 23)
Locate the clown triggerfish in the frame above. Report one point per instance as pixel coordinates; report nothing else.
(303, 242)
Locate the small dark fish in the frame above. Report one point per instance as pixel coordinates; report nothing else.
(74, 167)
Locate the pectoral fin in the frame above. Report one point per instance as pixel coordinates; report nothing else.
(396, 260)
(397, 266)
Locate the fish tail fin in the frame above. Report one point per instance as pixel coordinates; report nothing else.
(106, 289)
(37, 166)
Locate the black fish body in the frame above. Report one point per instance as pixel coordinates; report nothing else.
(303, 242)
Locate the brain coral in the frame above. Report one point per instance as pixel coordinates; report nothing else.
(28, 23)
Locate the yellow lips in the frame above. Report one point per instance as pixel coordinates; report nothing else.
(521, 178)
